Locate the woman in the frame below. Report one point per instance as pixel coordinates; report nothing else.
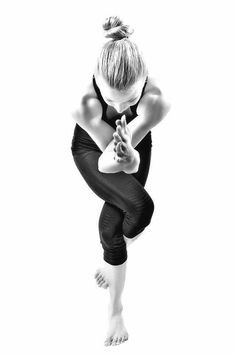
(111, 148)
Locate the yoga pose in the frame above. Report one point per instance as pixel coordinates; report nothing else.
(111, 148)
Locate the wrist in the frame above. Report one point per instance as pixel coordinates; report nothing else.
(133, 165)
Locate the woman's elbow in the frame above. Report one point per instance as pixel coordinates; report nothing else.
(166, 106)
(100, 167)
(162, 109)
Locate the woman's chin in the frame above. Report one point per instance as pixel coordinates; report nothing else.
(123, 111)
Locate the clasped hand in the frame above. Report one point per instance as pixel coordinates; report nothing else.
(124, 152)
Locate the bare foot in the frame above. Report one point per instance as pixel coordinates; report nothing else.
(117, 332)
(101, 278)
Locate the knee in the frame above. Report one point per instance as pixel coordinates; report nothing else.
(144, 211)
(113, 244)
(150, 207)
(140, 218)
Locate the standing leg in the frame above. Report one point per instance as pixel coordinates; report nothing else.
(128, 207)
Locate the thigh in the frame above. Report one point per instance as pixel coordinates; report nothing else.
(120, 189)
(111, 218)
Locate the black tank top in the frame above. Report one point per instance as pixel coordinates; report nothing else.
(111, 121)
(81, 139)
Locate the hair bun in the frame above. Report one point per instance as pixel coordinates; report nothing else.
(115, 29)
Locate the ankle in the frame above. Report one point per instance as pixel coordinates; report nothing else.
(115, 308)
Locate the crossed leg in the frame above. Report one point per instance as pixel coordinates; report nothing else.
(118, 220)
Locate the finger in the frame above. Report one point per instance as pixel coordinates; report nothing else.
(119, 151)
(119, 130)
(125, 125)
(118, 159)
(123, 121)
(118, 122)
(117, 137)
(120, 147)
(121, 133)
(123, 148)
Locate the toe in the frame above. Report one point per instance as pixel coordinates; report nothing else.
(119, 340)
(104, 285)
(108, 341)
(97, 273)
(114, 342)
(99, 279)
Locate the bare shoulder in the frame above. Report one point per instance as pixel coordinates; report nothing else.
(88, 94)
(152, 87)
(153, 103)
(89, 105)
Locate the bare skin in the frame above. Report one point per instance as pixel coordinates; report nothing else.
(109, 276)
(151, 107)
(102, 274)
(114, 276)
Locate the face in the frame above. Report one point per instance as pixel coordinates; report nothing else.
(120, 100)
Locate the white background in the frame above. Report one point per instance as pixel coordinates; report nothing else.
(180, 292)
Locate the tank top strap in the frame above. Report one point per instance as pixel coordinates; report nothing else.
(98, 92)
(104, 104)
(134, 107)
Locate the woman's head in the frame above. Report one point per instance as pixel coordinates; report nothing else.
(121, 70)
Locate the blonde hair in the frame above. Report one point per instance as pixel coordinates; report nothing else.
(120, 62)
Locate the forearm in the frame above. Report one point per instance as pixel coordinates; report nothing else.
(133, 166)
(100, 131)
(107, 164)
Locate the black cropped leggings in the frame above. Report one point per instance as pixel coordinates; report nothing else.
(128, 208)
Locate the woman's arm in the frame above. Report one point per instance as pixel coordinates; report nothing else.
(107, 163)
(88, 116)
(151, 111)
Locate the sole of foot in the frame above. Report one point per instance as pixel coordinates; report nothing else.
(101, 278)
